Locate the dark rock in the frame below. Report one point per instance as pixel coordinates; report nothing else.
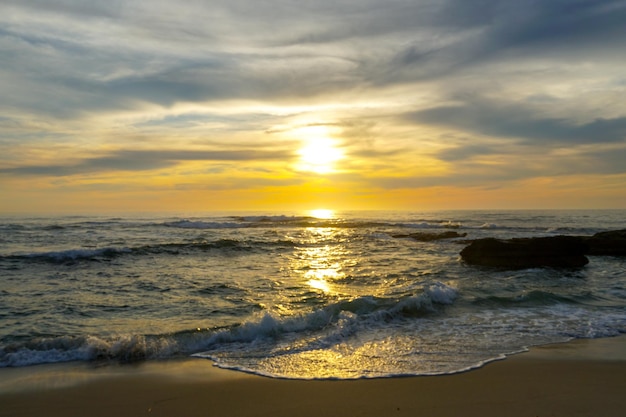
(556, 251)
(429, 237)
(612, 243)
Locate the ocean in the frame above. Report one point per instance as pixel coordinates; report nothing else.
(292, 295)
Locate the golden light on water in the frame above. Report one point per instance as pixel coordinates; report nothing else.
(319, 284)
(323, 268)
(321, 265)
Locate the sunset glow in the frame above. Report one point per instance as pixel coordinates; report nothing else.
(375, 105)
(319, 155)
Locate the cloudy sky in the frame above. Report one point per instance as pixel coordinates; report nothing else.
(199, 105)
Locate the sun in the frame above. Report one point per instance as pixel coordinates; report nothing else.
(322, 214)
(319, 153)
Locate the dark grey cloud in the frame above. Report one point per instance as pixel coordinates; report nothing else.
(467, 172)
(165, 54)
(517, 162)
(609, 162)
(166, 90)
(505, 120)
(86, 8)
(40, 84)
(487, 31)
(463, 152)
(572, 24)
(141, 160)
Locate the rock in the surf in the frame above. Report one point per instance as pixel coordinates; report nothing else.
(555, 251)
(612, 243)
(429, 237)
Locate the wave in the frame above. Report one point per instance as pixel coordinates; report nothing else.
(337, 321)
(429, 224)
(247, 222)
(128, 348)
(539, 298)
(75, 255)
(72, 254)
(307, 221)
(332, 324)
(273, 219)
(189, 224)
(532, 298)
(269, 344)
(287, 221)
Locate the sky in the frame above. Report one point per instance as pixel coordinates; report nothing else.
(212, 105)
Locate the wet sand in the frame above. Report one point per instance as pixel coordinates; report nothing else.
(580, 378)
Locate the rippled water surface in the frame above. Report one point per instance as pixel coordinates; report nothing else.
(296, 296)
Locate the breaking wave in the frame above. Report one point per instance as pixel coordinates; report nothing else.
(75, 255)
(359, 313)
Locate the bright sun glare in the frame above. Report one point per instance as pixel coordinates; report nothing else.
(319, 152)
(322, 213)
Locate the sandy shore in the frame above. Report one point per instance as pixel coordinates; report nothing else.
(581, 378)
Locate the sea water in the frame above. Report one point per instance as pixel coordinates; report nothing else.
(294, 296)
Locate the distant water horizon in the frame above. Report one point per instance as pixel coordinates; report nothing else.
(303, 295)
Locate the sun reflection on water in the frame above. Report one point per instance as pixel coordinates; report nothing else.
(319, 284)
(324, 267)
(321, 265)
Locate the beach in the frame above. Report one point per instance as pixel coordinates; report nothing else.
(329, 208)
(579, 378)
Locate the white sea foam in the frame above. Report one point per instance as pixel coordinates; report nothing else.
(124, 348)
(341, 317)
(441, 293)
(421, 225)
(368, 348)
(290, 342)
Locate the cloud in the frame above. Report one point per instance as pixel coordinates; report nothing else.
(93, 56)
(512, 120)
(573, 25)
(459, 153)
(466, 34)
(417, 92)
(133, 160)
(476, 162)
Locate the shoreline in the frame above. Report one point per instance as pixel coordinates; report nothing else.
(579, 378)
